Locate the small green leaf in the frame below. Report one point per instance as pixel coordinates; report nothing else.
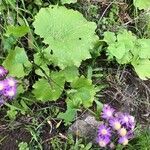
(118, 50)
(23, 146)
(68, 1)
(144, 48)
(12, 113)
(17, 31)
(109, 37)
(142, 4)
(70, 73)
(68, 116)
(51, 90)
(83, 91)
(142, 68)
(17, 62)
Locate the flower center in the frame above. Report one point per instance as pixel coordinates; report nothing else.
(102, 143)
(104, 131)
(11, 93)
(11, 83)
(125, 142)
(1, 87)
(123, 132)
(117, 126)
(109, 113)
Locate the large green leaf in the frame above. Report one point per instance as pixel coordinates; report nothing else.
(142, 68)
(51, 90)
(142, 4)
(17, 63)
(144, 47)
(69, 35)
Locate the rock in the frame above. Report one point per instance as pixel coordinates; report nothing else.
(86, 127)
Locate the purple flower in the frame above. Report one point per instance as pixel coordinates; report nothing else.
(2, 87)
(3, 72)
(11, 82)
(104, 131)
(10, 92)
(123, 140)
(107, 112)
(1, 102)
(115, 123)
(127, 120)
(103, 141)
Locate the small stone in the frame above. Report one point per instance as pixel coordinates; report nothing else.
(86, 128)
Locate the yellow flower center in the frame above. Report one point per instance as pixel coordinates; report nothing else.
(104, 131)
(123, 132)
(125, 142)
(117, 126)
(11, 83)
(102, 143)
(1, 87)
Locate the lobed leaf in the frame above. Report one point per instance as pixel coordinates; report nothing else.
(17, 62)
(69, 35)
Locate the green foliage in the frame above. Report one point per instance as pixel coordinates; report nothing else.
(70, 143)
(142, 4)
(68, 116)
(68, 1)
(70, 38)
(70, 73)
(17, 62)
(17, 31)
(69, 35)
(81, 94)
(127, 49)
(23, 146)
(50, 89)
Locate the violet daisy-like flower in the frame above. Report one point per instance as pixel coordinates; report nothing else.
(103, 141)
(11, 82)
(10, 92)
(2, 87)
(107, 112)
(115, 123)
(3, 72)
(104, 131)
(127, 120)
(123, 140)
(1, 101)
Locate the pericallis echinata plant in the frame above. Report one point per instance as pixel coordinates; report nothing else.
(118, 127)
(8, 86)
(126, 48)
